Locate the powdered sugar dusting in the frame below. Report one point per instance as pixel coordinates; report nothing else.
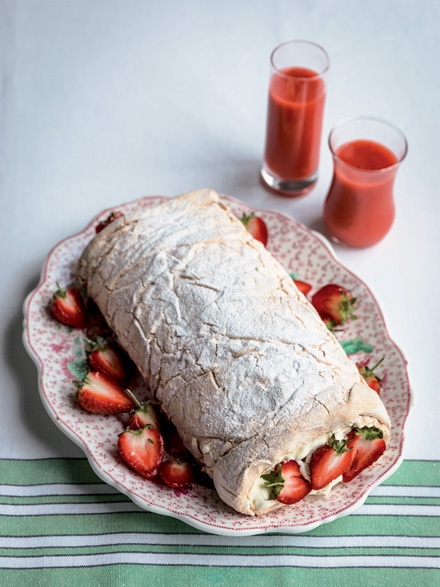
(298, 250)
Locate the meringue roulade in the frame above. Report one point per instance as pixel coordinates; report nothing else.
(235, 355)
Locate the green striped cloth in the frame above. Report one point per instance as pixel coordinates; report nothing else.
(60, 525)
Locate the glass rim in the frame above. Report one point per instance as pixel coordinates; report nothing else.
(371, 119)
(297, 42)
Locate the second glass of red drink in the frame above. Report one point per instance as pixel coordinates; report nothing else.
(367, 152)
(297, 93)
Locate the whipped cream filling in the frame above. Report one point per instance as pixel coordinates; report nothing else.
(259, 493)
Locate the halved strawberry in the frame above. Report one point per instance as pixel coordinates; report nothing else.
(334, 304)
(329, 462)
(303, 287)
(286, 483)
(106, 358)
(144, 414)
(99, 394)
(110, 218)
(373, 380)
(176, 473)
(68, 307)
(142, 449)
(367, 445)
(256, 226)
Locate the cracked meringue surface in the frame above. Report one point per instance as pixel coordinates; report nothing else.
(238, 359)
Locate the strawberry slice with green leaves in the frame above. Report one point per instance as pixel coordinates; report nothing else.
(67, 306)
(256, 226)
(99, 394)
(143, 415)
(335, 305)
(367, 446)
(373, 380)
(106, 358)
(176, 473)
(329, 462)
(286, 483)
(110, 218)
(142, 450)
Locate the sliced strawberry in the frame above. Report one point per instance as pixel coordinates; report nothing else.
(106, 358)
(329, 462)
(374, 383)
(176, 473)
(99, 394)
(110, 218)
(142, 449)
(334, 304)
(367, 446)
(303, 287)
(256, 226)
(68, 308)
(286, 483)
(145, 414)
(373, 380)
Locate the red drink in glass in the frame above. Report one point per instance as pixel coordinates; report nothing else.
(359, 209)
(294, 123)
(294, 118)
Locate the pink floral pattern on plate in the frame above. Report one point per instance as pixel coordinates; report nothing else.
(308, 254)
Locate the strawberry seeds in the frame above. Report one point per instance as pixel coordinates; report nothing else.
(345, 458)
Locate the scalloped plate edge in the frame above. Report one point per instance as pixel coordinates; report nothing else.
(184, 518)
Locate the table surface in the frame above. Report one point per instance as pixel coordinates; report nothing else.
(103, 102)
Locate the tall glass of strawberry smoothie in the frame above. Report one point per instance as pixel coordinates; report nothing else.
(297, 90)
(367, 152)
